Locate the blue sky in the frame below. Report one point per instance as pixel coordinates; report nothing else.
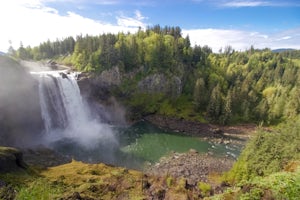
(216, 23)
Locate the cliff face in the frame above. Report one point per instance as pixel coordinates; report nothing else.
(101, 89)
(159, 83)
(98, 91)
(20, 116)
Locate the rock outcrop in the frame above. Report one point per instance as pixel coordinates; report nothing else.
(11, 159)
(97, 89)
(159, 83)
(110, 77)
(99, 86)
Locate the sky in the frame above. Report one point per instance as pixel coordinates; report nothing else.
(216, 23)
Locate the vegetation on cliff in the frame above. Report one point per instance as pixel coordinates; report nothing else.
(225, 87)
(268, 152)
(269, 166)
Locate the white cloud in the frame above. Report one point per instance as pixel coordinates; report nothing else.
(139, 15)
(242, 40)
(245, 3)
(136, 21)
(255, 3)
(285, 38)
(31, 22)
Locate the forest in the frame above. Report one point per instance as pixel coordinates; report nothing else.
(256, 85)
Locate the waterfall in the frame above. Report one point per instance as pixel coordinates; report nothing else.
(64, 112)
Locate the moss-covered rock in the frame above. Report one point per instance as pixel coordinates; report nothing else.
(11, 159)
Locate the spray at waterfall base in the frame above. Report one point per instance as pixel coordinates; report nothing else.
(67, 117)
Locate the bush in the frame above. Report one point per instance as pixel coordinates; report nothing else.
(267, 152)
(204, 188)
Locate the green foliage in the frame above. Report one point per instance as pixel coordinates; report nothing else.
(169, 181)
(39, 189)
(228, 87)
(143, 103)
(180, 107)
(205, 188)
(280, 185)
(267, 153)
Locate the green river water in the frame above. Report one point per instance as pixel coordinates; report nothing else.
(143, 143)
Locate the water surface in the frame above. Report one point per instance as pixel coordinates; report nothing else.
(141, 143)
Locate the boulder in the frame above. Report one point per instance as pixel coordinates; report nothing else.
(11, 159)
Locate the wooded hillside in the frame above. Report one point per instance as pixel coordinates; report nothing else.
(229, 86)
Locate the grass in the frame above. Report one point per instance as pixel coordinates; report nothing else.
(39, 189)
(97, 181)
(296, 62)
(204, 188)
(94, 180)
(89, 180)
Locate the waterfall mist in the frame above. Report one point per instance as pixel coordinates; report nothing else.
(20, 115)
(46, 108)
(67, 118)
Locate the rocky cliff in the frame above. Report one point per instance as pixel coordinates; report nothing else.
(159, 83)
(101, 89)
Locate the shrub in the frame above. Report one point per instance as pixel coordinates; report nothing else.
(267, 152)
(204, 188)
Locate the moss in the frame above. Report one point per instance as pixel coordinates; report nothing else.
(205, 189)
(11, 159)
(169, 181)
(7, 151)
(96, 179)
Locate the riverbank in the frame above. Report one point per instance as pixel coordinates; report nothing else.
(193, 167)
(237, 134)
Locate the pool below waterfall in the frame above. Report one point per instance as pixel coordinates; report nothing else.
(142, 143)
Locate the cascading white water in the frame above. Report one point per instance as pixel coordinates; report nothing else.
(64, 112)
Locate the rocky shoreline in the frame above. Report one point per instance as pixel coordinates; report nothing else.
(237, 134)
(192, 166)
